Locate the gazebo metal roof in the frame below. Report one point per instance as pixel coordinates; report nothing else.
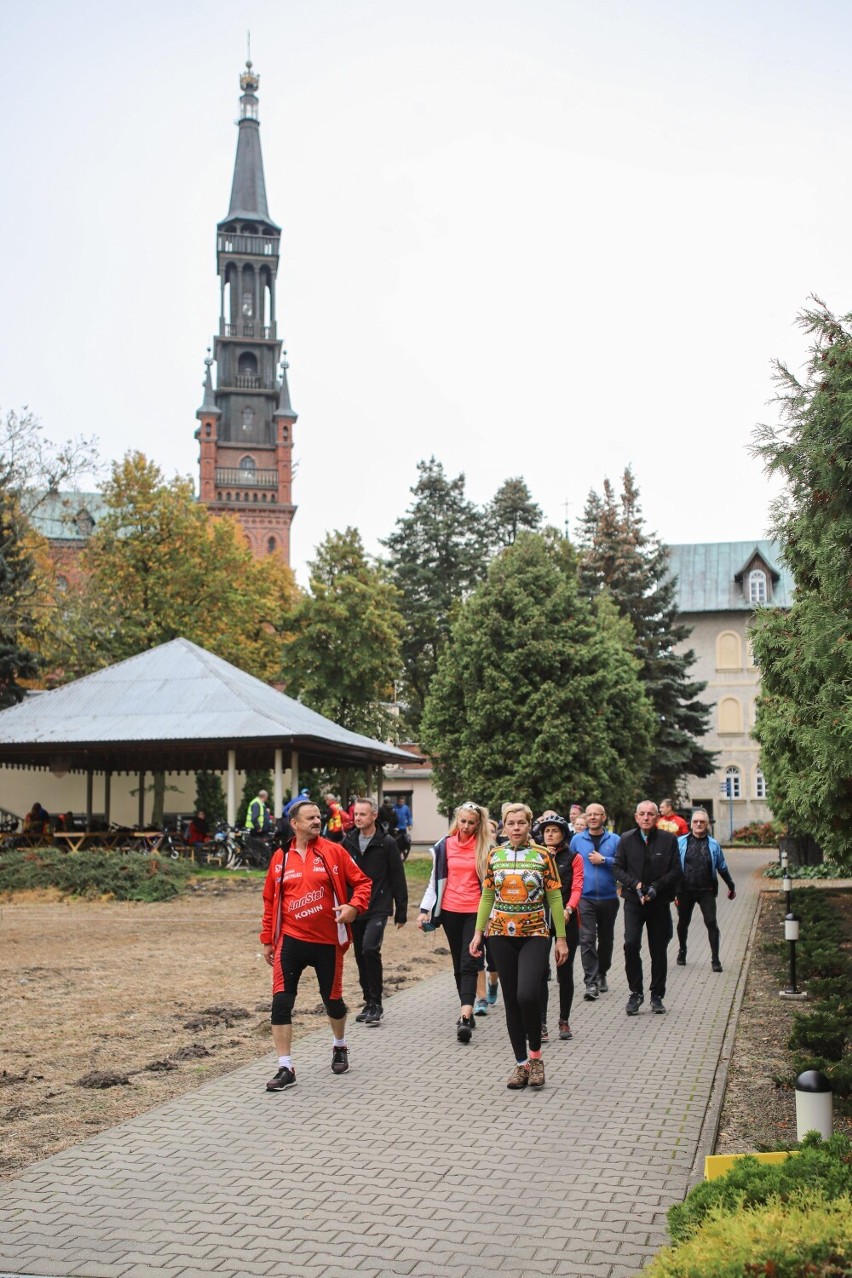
(174, 708)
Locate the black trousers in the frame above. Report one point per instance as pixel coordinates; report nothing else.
(459, 930)
(367, 937)
(597, 933)
(564, 976)
(686, 903)
(522, 963)
(657, 918)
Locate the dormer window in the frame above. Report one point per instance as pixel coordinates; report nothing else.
(757, 591)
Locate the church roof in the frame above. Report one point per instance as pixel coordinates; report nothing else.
(248, 189)
(66, 516)
(710, 575)
(170, 708)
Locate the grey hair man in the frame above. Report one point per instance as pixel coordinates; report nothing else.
(703, 864)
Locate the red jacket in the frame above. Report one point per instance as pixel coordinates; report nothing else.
(349, 885)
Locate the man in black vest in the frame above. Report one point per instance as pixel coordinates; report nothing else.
(647, 867)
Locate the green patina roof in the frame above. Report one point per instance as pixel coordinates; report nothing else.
(713, 576)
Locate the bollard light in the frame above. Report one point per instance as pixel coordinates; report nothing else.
(791, 936)
(786, 884)
(814, 1104)
(791, 928)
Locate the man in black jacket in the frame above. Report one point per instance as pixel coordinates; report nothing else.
(647, 867)
(377, 854)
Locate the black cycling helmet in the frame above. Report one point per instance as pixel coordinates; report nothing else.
(558, 821)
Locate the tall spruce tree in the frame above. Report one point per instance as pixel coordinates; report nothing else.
(537, 696)
(511, 511)
(618, 556)
(804, 712)
(345, 656)
(436, 555)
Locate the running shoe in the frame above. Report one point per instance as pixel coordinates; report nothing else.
(565, 1030)
(545, 1034)
(603, 988)
(657, 1005)
(374, 1015)
(283, 1079)
(634, 1003)
(591, 992)
(464, 1029)
(519, 1077)
(480, 1007)
(716, 965)
(681, 958)
(493, 991)
(537, 1073)
(339, 1060)
(364, 1013)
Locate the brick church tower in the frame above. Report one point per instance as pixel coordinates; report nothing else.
(246, 421)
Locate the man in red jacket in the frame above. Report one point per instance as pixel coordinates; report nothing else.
(312, 893)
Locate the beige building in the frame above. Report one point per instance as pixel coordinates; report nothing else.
(720, 584)
(413, 783)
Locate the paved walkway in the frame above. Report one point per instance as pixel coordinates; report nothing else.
(419, 1161)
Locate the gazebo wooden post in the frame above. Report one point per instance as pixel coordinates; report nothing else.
(369, 793)
(107, 780)
(232, 787)
(90, 776)
(141, 823)
(278, 784)
(294, 773)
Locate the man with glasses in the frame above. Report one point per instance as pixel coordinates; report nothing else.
(702, 862)
(647, 865)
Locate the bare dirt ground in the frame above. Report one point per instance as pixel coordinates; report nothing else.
(757, 1113)
(110, 1008)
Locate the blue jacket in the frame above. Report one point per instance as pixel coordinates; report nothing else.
(598, 881)
(717, 861)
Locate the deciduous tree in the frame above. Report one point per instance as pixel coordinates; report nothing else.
(619, 557)
(804, 713)
(536, 696)
(345, 656)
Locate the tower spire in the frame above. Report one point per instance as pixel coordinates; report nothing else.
(248, 190)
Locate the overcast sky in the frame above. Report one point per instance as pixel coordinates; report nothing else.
(544, 238)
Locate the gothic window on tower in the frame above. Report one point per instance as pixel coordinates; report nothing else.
(270, 546)
(248, 463)
(248, 419)
(248, 304)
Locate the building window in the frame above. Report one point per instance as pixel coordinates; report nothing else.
(759, 785)
(757, 593)
(733, 787)
(248, 463)
(728, 651)
(730, 715)
(270, 546)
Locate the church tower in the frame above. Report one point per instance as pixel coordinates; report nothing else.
(246, 421)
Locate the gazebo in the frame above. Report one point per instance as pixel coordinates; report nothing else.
(178, 708)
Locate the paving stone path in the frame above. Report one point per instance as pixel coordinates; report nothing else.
(419, 1161)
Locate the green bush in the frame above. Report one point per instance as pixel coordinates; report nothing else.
(806, 1237)
(759, 834)
(824, 871)
(124, 876)
(824, 1031)
(750, 1183)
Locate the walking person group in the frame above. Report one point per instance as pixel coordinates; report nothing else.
(518, 897)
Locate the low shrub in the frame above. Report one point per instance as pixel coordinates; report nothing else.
(824, 871)
(805, 1237)
(123, 876)
(750, 1183)
(759, 834)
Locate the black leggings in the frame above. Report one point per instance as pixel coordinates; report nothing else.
(459, 930)
(522, 962)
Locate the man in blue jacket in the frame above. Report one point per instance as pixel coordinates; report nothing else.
(702, 863)
(599, 902)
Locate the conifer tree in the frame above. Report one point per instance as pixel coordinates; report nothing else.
(618, 556)
(804, 713)
(436, 555)
(535, 690)
(510, 511)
